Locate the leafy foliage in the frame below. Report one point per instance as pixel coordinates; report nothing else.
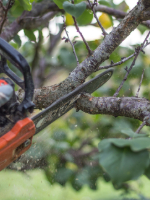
(59, 3)
(75, 10)
(124, 159)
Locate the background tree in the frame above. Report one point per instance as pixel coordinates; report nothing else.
(67, 150)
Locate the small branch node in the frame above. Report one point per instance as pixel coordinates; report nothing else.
(137, 94)
(68, 40)
(126, 69)
(85, 42)
(137, 51)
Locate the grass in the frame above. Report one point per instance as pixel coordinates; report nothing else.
(34, 186)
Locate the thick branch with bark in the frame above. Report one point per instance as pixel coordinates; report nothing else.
(91, 64)
(137, 108)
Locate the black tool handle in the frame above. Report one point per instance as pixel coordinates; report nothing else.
(7, 52)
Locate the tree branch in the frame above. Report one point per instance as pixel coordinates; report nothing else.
(91, 64)
(132, 107)
(137, 94)
(93, 9)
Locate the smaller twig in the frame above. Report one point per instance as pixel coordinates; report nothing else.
(85, 42)
(137, 94)
(141, 126)
(5, 9)
(70, 42)
(100, 25)
(1, 4)
(125, 78)
(117, 63)
(137, 50)
(123, 60)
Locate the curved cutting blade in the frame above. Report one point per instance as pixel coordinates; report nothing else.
(65, 103)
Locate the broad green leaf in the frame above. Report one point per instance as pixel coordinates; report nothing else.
(122, 126)
(30, 35)
(89, 176)
(122, 164)
(75, 10)
(136, 144)
(17, 40)
(75, 184)
(132, 134)
(62, 175)
(19, 6)
(26, 4)
(129, 132)
(17, 9)
(85, 18)
(105, 3)
(59, 3)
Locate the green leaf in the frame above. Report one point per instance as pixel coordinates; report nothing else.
(19, 6)
(59, 3)
(132, 134)
(26, 4)
(89, 176)
(75, 10)
(122, 164)
(76, 185)
(16, 9)
(85, 18)
(128, 132)
(136, 144)
(30, 35)
(17, 40)
(62, 175)
(105, 3)
(142, 28)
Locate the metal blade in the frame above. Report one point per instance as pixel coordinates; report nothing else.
(65, 103)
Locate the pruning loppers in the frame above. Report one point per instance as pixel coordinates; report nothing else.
(16, 128)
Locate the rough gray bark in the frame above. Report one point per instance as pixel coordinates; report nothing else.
(137, 108)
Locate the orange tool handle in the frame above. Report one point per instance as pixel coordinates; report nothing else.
(14, 143)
